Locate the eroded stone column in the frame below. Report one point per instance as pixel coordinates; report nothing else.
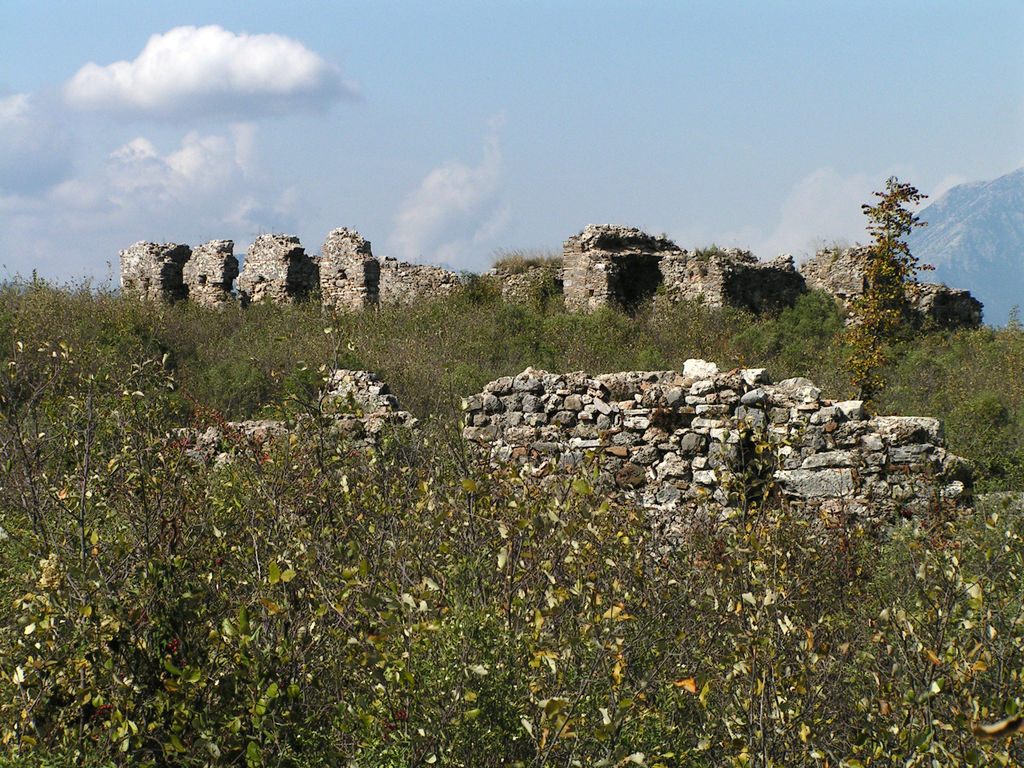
(277, 268)
(153, 271)
(210, 274)
(349, 275)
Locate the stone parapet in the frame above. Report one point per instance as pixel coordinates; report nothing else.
(700, 438)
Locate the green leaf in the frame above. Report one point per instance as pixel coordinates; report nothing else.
(252, 754)
(274, 573)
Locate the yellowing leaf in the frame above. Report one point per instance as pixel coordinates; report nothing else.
(688, 684)
(274, 573)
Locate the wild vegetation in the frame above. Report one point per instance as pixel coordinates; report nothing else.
(311, 604)
(516, 262)
(882, 311)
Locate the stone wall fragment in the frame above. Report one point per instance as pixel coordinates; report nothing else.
(277, 268)
(153, 271)
(680, 439)
(210, 273)
(349, 275)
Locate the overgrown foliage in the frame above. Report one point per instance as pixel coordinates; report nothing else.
(882, 312)
(516, 262)
(309, 604)
(306, 604)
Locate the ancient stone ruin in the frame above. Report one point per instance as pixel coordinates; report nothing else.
(349, 275)
(688, 440)
(698, 441)
(210, 273)
(840, 272)
(531, 285)
(153, 271)
(357, 404)
(278, 269)
(404, 283)
(603, 265)
(622, 266)
(611, 265)
(731, 277)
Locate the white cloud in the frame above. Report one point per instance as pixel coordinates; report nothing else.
(453, 210)
(209, 71)
(209, 186)
(35, 148)
(822, 208)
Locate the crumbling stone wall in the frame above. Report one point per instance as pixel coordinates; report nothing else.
(153, 271)
(349, 275)
(210, 273)
(612, 265)
(623, 266)
(840, 272)
(731, 277)
(684, 440)
(360, 406)
(945, 307)
(528, 285)
(277, 268)
(404, 283)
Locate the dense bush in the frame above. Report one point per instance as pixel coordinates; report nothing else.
(309, 604)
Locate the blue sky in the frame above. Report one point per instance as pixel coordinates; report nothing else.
(446, 131)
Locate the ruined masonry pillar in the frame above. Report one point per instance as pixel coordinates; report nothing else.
(349, 275)
(277, 268)
(211, 272)
(153, 271)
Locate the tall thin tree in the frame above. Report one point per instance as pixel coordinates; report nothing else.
(882, 312)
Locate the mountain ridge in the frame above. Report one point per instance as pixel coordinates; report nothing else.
(975, 240)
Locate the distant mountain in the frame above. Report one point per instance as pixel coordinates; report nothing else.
(975, 240)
